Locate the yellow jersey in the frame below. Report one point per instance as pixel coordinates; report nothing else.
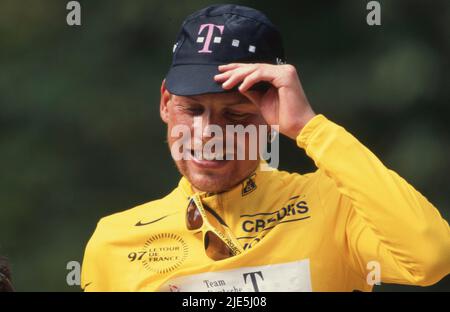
(329, 230)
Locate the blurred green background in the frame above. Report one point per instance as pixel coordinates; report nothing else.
(81, 137)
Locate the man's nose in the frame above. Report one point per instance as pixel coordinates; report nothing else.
(211, 122)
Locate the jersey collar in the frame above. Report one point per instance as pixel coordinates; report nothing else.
(247, 186)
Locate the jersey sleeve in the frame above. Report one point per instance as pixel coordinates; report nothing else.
(380, 216)
(91, 269)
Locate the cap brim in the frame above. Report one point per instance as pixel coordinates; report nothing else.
(198, 79)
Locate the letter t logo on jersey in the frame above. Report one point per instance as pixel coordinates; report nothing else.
(209, 35)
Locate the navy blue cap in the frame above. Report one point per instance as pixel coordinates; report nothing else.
(216, 35)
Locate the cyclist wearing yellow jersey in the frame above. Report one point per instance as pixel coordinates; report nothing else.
(234, 225)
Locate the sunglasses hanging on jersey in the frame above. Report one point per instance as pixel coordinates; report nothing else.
(218, 240)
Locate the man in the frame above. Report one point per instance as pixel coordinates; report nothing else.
(233, 225)
(5, 276)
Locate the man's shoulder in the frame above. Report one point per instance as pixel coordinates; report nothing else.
(312, 182)
(291, 177)
(152, 209)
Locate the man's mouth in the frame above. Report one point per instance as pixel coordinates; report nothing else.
(210, 160)
(199, 154)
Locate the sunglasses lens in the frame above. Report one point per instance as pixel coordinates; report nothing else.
(194, 220)
(216, 248)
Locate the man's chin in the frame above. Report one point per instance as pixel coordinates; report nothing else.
(214, 180)
(211, 183)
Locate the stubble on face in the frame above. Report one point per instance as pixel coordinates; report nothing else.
(228, 174)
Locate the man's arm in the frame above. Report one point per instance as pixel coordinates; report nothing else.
(388, 220)
(92, 277)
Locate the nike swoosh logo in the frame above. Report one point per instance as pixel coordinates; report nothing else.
(140, 223)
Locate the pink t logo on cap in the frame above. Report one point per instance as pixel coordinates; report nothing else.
(208, 36)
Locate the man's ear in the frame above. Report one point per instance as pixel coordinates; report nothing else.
(165, 98)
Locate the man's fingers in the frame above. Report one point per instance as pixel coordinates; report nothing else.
(226, 75)
(223, 76)
(249, 74)
(260, 74)
(229, 66)
(249, 81)
(237, 76)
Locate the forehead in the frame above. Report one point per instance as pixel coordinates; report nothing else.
(231, 98)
